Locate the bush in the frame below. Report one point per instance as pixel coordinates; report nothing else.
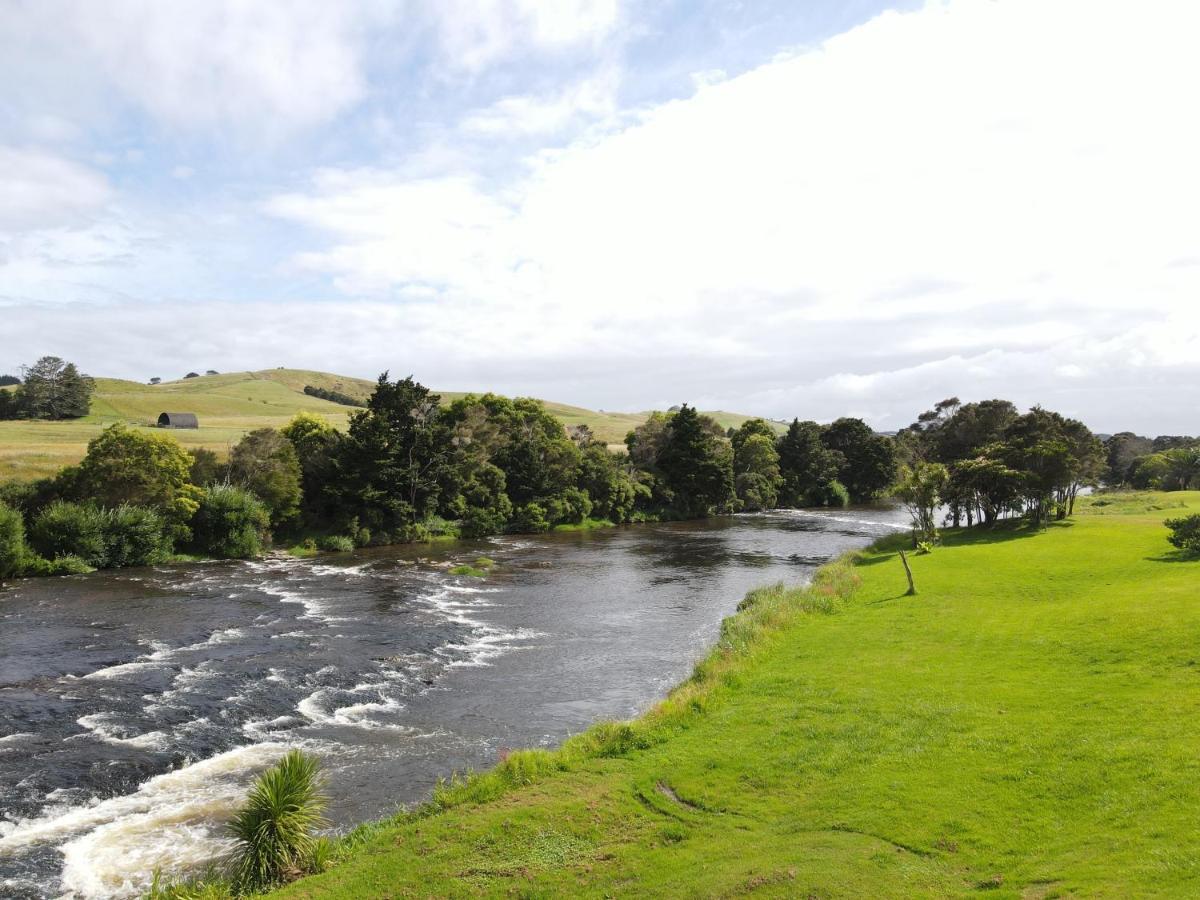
(337, 543)
(833, 493)
(13, 552)
(71, 529)
(230, 524)
(274, 830)
(530, 518)
(1185, 533)
(134, 536)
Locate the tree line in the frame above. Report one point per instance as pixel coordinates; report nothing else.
(1166, 463)
(410, 468)
(51, 389)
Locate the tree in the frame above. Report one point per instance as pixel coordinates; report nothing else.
(156, 380)
(389, 469)
(757, 478)
(192, 375)
(9, 380)
(315, 441)
(1120, 451)
(982, 487)
(206, 468)
(1183, 468)
(124, 465)
(54, 389)
(609, 483)
(265, 463)
(696, 462)
(230, 523)
(1185, 533)
(12, 542)
(869, 465)
(807, 466)
(920, 488)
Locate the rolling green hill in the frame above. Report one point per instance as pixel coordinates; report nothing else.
(228, 406)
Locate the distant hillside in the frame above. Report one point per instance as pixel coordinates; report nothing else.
(228, 406)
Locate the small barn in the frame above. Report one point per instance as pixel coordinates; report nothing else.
(178, 420)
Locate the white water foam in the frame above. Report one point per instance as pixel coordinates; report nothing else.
(802, 514)
(163, 654)
(103, 726)
(354, 715)
(171, 823)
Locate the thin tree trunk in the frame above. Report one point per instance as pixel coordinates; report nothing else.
(912, 588)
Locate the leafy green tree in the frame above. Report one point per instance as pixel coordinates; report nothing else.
(869, 459)
(54, 389)
(231, 523)
(920, 488)
(983, 486)
(315, 441)
(206, 468)
(1183, 468)
(134, 536)
(264, 462)
(609, 483)
(757, 478)
(70, 529)
(1149, 471)
(807, 466)
(388, 471)
(124, 465)
(527, 446)
(696, 462)
(13, 552)
(1120, 451)
(1185, 533)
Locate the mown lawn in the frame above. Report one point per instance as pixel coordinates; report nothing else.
(1027, 726)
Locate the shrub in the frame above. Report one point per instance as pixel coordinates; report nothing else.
(71, 529)
(337, 543)
(274, 830)
(832, 493)
(230, 524)
(530, 518)
(13, 552)
(134, 536)
(1185, 533)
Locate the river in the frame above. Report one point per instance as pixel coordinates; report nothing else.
(136, 706)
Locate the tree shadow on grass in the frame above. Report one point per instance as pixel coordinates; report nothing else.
(1001, 532)
(1175, 556)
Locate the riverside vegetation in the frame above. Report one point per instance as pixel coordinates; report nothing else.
(1022, 727)
(410, 468)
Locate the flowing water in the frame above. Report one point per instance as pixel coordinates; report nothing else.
(135, 707)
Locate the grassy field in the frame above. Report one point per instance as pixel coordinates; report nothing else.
(228, 406)
(1027, 726)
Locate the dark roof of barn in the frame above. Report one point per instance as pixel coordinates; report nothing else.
(179, 420)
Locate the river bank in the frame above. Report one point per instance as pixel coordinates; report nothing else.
(1023, 726)
(138, 704)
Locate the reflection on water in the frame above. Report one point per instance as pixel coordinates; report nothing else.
(136, 706)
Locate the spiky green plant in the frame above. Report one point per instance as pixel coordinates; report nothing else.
(274, 830)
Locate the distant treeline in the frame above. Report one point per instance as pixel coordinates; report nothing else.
(332, 396)
(1167, 462)
(409, 468)
(51, 389)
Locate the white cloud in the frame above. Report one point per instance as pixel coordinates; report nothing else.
(477, 33)
(1018, 174)
(39, 190)
(526, 115)
(269, 67)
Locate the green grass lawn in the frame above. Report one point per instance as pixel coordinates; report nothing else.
(1027, 726)
(228, 406)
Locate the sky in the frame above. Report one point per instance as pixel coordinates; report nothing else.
(785, 208)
